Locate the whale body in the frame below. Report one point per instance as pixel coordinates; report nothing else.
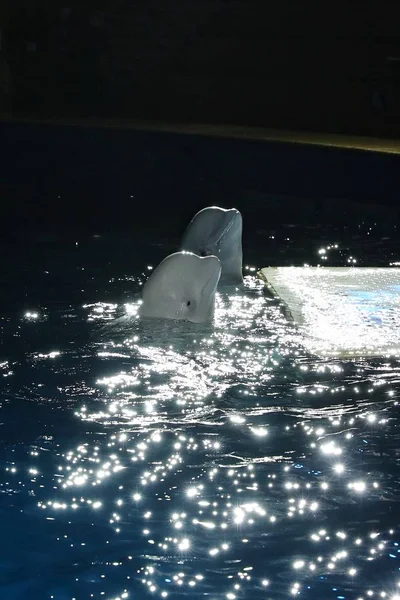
(182, 287)
(217, 231)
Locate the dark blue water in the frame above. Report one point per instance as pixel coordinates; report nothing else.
(172, 460)
(151, 461)
(102, 179)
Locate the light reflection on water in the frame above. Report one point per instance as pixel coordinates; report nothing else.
(185, 460)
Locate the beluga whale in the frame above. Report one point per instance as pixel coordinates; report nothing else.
(218, 231)
(182, 287)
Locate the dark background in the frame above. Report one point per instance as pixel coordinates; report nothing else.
(330, 67)
(289, 64)
(97, 179)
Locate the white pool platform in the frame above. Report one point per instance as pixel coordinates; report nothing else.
(341, 311)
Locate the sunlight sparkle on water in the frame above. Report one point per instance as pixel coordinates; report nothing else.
(210, 449)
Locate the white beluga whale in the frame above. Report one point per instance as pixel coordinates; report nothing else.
(218, 231)
(182, 287)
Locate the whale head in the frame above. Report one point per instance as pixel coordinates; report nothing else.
(182, 287)
(218, 232)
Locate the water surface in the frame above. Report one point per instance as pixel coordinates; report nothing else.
(172, 460)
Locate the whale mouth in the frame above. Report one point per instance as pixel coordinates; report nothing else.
(212, 281)
(215, 244)
(227, 228)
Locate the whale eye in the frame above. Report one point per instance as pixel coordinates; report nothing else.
(203, 253)
(188, 303)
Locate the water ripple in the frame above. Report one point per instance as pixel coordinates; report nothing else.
(171, 460)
